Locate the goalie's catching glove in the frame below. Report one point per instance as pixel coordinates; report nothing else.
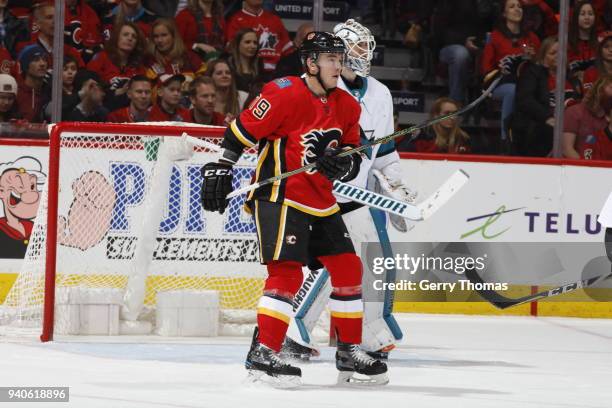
(216, 186)
(343, 168)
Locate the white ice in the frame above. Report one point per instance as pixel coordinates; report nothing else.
(444, 361)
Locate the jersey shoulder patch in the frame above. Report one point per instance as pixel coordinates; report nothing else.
(283, 83)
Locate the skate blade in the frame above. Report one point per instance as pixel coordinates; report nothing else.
(348, 378)
(257, 377)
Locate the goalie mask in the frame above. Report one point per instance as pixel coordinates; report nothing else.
(359, 43)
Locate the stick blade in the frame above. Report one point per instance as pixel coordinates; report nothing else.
(446, 191)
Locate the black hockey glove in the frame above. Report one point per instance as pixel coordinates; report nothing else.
(216, 186)
(343, 168)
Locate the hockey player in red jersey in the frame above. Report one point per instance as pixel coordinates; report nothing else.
(295, 122)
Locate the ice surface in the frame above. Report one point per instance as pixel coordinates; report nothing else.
(445, 361)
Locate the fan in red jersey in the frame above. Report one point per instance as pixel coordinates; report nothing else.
(295, 122)
(202, 94)
(139, 93)
(122, 59)
(598, 146)
(603, 61)
(582, 38)
(82, 28)
(274, 40)
(509, 46)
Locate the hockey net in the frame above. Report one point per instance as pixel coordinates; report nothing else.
(114, 195)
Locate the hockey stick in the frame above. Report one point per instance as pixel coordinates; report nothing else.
(373, 199)
(385, 139)
(502, 302)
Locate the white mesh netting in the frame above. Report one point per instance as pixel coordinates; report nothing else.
(106, 183)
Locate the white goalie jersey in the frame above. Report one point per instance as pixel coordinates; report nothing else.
(376, 121)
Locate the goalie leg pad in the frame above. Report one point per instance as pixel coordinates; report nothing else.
(309, 303)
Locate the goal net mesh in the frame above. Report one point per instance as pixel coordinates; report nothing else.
(106, 183)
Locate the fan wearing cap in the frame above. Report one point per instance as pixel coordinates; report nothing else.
(8, 97)
(169, 95)
(297, 122)
(603, 61)
(91, 91)
(32, 95)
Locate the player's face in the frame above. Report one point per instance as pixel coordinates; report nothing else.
(127, 39)
(204, 99)
(330, 65)
(513, 11)
(248, 45)
(446, 109)
(140, 94)
(70, 70)
(171, 93)
(586, 19)
(222, 75)
(162, 38)
(7, 100)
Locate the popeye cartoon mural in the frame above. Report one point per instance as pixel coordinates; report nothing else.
(21, 182)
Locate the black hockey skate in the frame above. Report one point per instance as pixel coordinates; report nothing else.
(351, 360)
(265, 365)
(295, 351)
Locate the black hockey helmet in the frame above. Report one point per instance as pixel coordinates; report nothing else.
(317, 42)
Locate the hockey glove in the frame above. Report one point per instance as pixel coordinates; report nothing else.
(216, 186)
(334, 167)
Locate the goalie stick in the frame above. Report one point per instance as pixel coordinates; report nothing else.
(385, 139)
(372, 199)
(502, 302)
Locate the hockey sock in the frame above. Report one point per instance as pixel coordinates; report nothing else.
(275, 307)
(345, 304)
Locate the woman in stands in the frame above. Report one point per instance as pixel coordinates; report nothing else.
(202, 27)
(230, 101)
(603, 61)
(243, 59)
(121, 59)
(508, 47)
(584, 119)
(443, 137)
(533, 121)
(168, 54)
(129, 11)
(582, 38)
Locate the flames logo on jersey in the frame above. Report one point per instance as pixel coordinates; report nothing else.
(316, 142)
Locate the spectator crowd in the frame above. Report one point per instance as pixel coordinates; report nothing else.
(202, 61)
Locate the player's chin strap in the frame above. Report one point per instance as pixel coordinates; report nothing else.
(363, 147)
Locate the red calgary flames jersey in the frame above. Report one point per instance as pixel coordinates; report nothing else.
(293, 127)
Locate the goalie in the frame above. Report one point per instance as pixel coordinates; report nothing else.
(380, 170)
